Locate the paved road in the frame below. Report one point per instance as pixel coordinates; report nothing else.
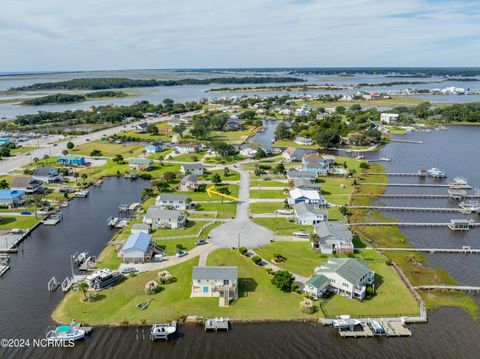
(241, 231)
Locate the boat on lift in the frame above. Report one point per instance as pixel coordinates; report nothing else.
(436, 173)
(66, 332)
(345, 322)
(162, 330)
(458, 182)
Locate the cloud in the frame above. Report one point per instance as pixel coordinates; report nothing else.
(117, 34)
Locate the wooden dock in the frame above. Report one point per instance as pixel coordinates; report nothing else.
(393, 328)
(465, 250)
(4, 269)
(432, 185)
(418, 195)
(458, 288)
(217, 324)
(414, 209)
(406, 224)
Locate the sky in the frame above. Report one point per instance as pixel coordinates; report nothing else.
(63, 35)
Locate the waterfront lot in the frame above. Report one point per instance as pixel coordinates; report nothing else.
(18, 222)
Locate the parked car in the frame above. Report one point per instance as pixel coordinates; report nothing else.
(181, 253)
(200, 242)
(25, 213)
(128, 270)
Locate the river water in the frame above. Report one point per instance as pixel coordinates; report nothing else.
(25, 303)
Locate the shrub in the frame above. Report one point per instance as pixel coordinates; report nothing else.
(257, 260)
(166, 277)
(283, 280)
(307, 306)
(243, 251)
(269, 271)
(369, 290)
(152, 287)
(296, 288)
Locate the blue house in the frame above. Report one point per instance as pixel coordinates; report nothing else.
(4, 140)
(154, 147)
(71, 160)
(12, 198)
(313, 162)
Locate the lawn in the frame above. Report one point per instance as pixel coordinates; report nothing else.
(268, 193)
(232, 137)
(232, 175)
(265, 207)
(224, 210)
(170, 245)
(267, 183)
(192, 228)
(108, 258)
(21, 149)
(17, 222)
(189, 157)
(108, 149)
(281, 226)
(202, 194)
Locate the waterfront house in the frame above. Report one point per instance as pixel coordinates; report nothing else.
(308, 196)
(27, 184)
(137, 248)
(313, 162)
(140, 228)
(303, 183)
(192, 168)
(307, 214)
(335, 237)
(248, 152)
(157, 217)
(186, 148)
(389, 117)
(348, 276)
(46, 174)
(303, 141)
(317, 286)
(141, 127)
(11, 198)
(154, 147)
(215, 281)
(71, 160)
(233, 124)
(292, 154)
(294, 175)
(5, 140)
(140, 164)
(177, 201)
(189, 183)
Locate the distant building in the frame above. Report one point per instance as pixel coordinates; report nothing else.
(27, 185)
(186, 148)
(141, 127)
(233, 123)
(192, 168)
(154, 147)
(46, 174)
(74, 160)
(335, 237)
(215, 281)
(140, 164)
(293, 175)
(389, 117)
(293, 154)
(248, 152)
(137, 248)
(175, 200)
(11, 198)
(313, 162)
(312, 197)
(307, 214)
(306, 184)
(303, 141)
(140, 228)
(189, 183)
(157, 217)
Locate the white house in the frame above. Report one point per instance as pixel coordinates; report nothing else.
(317, 286)
(348, 276)
(192, 168)
(186, 148)
(248, 152)
(175, 200)
(189, 183)
(140, 228)
(303, 141)
(141, 127)
(215, 281)
(157, 217)
(307, 214)
(27, 184)
(308, 196)
(389, 117)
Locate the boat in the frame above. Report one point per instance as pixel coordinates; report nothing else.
(301, 234)
(376, 327)
(436, 173)
(345, 322)
(103, 278)
(88, 264)
(80, 258)
(458, 182)
(470, 205)
(112, 221)
(162, 330)
(121, 223)
(82, 193)
(66, 332)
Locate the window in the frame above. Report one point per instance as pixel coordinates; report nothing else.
(205, 289)
(225, 282)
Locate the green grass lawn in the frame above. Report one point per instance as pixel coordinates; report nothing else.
(189, 157)
(108, 149)
(267, 183)
(192, 228)
(232, 137)
(21, 149)
(232, 175)
(281, 226)
(224, 210)
(170, 245)
(268, 193)
(108, 258)
(18, 222)
(265, 207)
(290, 143)
(202, 194)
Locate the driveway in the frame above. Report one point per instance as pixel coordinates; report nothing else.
(241, 231)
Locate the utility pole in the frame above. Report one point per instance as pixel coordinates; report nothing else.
(238, 240)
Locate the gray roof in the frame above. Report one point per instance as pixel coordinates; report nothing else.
(192, 166)
(334, 230)
(318, 281)
(160, 213)
(303, 209)
(24, 182)
(173, 197)
(140, 226)
(300, 174)
(305, 183)
(189, 178)
(43, 171)
(214, 273)
(351, 269)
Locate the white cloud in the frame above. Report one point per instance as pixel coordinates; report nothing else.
(112, 34)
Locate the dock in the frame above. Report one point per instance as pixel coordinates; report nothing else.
(53, 219)
(432, 185)
(458, 288)
(4, 269)
(392, 327)
(452, 195)
(407, 141)
(463, 250)
(414, 209)
(407, 224)
(217, 324)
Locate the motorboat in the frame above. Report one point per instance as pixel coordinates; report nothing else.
(458, 182)
(345, 322)
(112, 221)
(436, 173)
(66, 332)
(162, 330)
(376, 327)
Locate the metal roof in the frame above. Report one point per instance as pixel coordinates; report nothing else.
(304, 209)
(44, 171)
(214, 273)
(333, 230)
(318, 281)
(351, 269)
(195, 165)
(172, 197)
(138, 241)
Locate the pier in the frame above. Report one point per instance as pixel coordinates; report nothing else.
(406, 141)
(4, 269)
(408, 224)
(463, 250)
(217, 324)
(432, 185)
(458, 288)
(452, 195)
(414, 209)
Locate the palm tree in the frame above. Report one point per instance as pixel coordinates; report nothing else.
(35, 159)
(64, 152)
(37, 200)
(83, 286)
(76, 175)
(4, 184)
(45, 158)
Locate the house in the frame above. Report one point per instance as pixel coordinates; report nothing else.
(248, 152)
(304, 141)
(293, 154)
(186, 148)
(330, 110)
(307, 214)
(141, 127)
(27, 185)
(140, 164)
(389, 117)
(301, 112)
(154, 147)
(71, 160)
(11, 198)
(46, 174)
(192, 168)
(317, 286)
(303, 183)
(308, 196)
(215, 281)
(137, 248)
(329, 160)
(157, 217)
(313, 162)
(293, 175)
(233, 123)
(5, 140)
(322, 116)
(175, 200)
(189, 183)
(335, 237)
(348, 276)
(140, 228)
